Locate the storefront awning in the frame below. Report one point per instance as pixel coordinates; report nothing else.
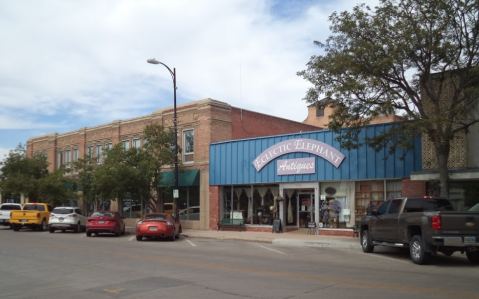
(187, 178)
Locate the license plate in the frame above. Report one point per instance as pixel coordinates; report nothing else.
(469, 239)
(101, 221)
(1, 221)
(153, 228)
(61, 219)
(23, 220)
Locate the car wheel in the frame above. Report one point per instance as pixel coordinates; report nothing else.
(181, 230)
(78, 228)
(43, 226)
(139, 238)
(88, 234)
(366, 242)
(16, 227)
(123, 231)
(63, 230)
(416, 250)
(117, 234)
(473, 257)
(173, 238)
(51, 230)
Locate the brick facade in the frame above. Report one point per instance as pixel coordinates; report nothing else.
(413, 188)
(211, 120)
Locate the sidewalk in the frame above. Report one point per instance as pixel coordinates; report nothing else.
(291, 239)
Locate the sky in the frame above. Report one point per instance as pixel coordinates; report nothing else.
(67, 64)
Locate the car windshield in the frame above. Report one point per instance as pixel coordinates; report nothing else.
(474, 208)
(34, 208)
(10, 207)
(62, 211)
(156, 216)
(103, 214)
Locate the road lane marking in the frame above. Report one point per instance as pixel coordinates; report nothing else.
(131, 238)
(269, 249)
(114, 291)
(191, 243)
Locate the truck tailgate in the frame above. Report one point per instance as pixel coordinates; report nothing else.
(461, 222)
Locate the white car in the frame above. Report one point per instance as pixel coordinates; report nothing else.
(67, 218)
(5, 209)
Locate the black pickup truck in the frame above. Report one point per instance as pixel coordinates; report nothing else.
(426, 225)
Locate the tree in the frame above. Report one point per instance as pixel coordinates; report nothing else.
(85, 179)
(159, 149)
(21, 175)
(416, 58)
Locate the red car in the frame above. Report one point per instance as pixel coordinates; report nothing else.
(105, 222)
(158, 225)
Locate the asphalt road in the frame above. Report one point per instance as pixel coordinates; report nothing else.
(68, 265)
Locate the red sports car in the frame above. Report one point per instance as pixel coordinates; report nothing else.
(105, 222)
(158, 225)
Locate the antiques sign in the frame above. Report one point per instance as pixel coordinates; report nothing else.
(311, 146)
(296, 166)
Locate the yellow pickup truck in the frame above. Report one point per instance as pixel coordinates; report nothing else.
(32, 215)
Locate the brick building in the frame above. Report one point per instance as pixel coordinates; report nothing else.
(199, 124)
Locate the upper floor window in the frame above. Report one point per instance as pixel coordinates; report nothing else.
(136, 143)
(68, 156)
(59, 158)
(89, 153)
(126, 144)
(188, 145)
(75, 158)
(319, 112)
(99, 153)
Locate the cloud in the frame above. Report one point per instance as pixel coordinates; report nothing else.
(69, 64)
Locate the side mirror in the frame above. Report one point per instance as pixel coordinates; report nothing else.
(369, 211)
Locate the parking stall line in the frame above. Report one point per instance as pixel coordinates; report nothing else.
(130, 239)
(191, 243)
(269, 249)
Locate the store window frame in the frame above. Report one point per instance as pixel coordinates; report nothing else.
(188, 145)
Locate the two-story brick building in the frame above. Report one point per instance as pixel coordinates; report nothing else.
(200, 123)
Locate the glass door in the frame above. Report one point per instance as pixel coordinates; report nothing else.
(305, 208)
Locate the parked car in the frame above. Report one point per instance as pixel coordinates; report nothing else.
(191, 213)
(426, 225)
(5, 209)
(32, 215)
(105, 222)
(161, 225)
(67, 218)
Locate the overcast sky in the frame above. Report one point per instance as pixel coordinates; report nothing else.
(68, 64)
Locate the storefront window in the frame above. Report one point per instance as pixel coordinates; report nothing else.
(189, 203)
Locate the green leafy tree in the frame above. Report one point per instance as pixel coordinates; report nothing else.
(56, 188)
(84, 179)
(415, 58)
(21, 175)
(159, 149)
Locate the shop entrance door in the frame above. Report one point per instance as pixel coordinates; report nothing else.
(305, 208)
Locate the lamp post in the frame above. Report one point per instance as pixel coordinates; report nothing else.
(173, 76)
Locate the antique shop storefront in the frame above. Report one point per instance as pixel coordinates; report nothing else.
(305, 180)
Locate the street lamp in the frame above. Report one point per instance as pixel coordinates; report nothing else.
(173, 76)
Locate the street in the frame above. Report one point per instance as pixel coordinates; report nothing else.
(68, 265)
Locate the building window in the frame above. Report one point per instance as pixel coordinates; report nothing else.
(59, 158)
(126, 144)
(188, 145)
(108, 147)
(319, 112)
(136, 143)
(68, 158)
(89, 153)
(99, 153)
(75, 158)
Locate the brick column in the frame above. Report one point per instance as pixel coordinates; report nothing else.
(214, 207)
(413, 188)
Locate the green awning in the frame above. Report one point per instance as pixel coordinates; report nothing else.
(187, 178)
